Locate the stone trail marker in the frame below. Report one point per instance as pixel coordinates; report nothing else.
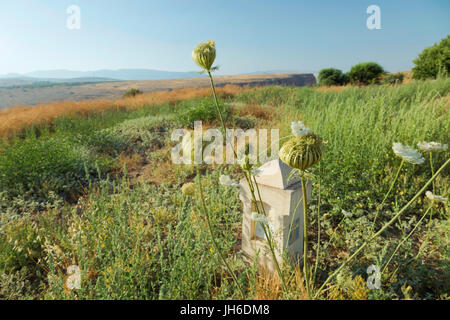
(283, 204)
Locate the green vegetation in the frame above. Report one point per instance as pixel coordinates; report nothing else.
(393, 78)
(331, 77)
(69, 196)
(366, 73)
(433, 61)
(132, 92)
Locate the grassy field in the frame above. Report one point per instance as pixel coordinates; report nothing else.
(92, 184)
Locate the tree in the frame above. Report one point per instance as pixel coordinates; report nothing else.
(366, 73)
(433, 61)
(330, 77)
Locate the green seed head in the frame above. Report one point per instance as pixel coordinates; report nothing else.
(205, 54)
(301, 152)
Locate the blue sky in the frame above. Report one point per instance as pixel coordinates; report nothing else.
(251, 35)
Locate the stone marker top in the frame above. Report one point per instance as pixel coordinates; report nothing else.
(275, 174)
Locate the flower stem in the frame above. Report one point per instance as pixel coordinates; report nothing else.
(406, 238)
(216, 246)
(383, 228)
(434, 190)
(268, 235)
(387, 194)
(318, 229)
(217, 102)
(250, 184)
(305, 233)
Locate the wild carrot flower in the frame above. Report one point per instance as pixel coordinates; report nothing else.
(188, 189)
(227, 181)
(434, 197)
(301, 152)
(431, 146)
(299, 129)
(407, 153)
(205, 54)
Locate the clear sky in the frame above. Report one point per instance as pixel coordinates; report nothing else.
(251, 35)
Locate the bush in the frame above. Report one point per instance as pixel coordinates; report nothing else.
(365, 73)
(132, 93)
(42, 171)
(200, 110)
(331, 77)
(139, 135)
(393, 78)
(346, 78)
(433, 61)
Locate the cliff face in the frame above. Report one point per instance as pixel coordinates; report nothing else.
(296, 80)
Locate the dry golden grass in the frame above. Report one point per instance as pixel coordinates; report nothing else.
(408, 77)
(268, 285)
(15, 120)
(258, 111)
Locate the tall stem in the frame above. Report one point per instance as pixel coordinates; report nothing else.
(250, 184)
(216, 246)
(387, 194)
(217, 104)
(434, 190)
(406, 238)
(318, 229)
(383, 228)
(268, 235)
(305, 233)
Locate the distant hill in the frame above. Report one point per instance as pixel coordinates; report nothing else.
(40, 82)
(120, 74)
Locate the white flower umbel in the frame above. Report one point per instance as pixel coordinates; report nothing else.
(434, 197)
(407, 153)
(227, 181)
(431, 146)
(299, 129)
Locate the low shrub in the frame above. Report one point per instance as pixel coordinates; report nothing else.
(331, 77)
(393, 78)
(41, 171)
(134, 135)
(199, 110)
(132, 93)
(366, 73)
